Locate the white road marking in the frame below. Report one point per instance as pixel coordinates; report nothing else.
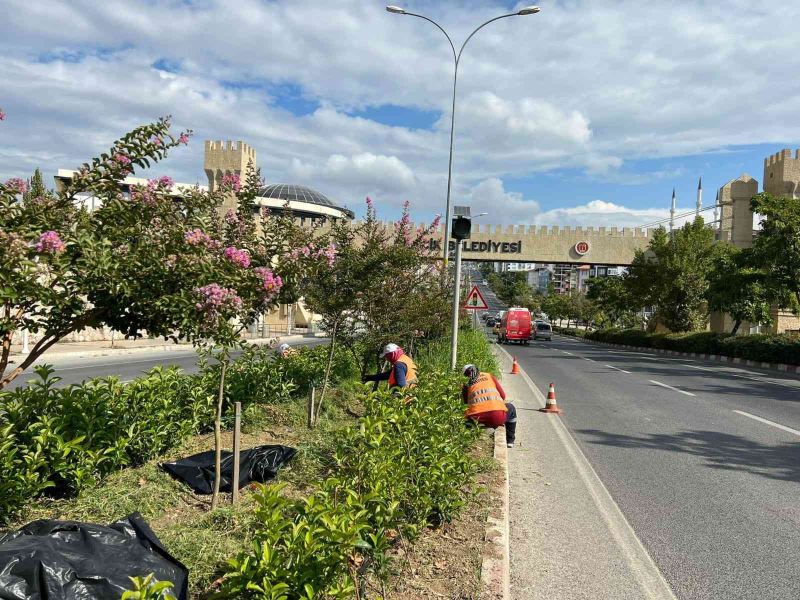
(128, 362)
(589, 359)
(570, 353)
(618, 369)
(768, 422)
(740, 376)
(674, 389)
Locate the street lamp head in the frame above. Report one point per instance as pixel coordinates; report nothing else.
(528, 10)
(395, 9)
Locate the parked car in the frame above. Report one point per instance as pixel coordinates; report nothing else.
(515, 326)
(542, 331)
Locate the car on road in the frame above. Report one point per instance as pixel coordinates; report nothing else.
(542, 331)
(515, 326)
(490, 321)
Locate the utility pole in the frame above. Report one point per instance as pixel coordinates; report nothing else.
(716, 224)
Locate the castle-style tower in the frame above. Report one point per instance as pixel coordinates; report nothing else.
(227, 158)
(736, 218)
(782, 174)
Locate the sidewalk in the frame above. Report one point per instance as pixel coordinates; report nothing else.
(70, 350)
(569, 540)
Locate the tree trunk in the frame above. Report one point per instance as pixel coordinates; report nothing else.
(736, 326)
(218, 436)
(331, 349)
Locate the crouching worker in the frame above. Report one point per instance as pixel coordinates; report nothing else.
(485, 400)
(403, 373)
(285, 351)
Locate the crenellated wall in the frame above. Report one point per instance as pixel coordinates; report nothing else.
(546, 244)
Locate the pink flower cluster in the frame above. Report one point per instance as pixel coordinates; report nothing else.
(231, 182)
(165, 181)
(214, 298)
(50, 243)
(237, 256)
(2, 115)
(156, 141)
(123, 162)
(16, 185)
(183, 139)
(271, 283)
(197, 237)
(310, 251)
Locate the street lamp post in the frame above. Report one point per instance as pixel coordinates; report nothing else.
(462, 227)
(528, 10)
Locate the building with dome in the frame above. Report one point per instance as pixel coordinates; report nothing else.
(307, 204)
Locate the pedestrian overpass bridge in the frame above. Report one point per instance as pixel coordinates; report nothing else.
(542, 244)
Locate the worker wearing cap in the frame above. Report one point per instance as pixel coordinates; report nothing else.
(485, 400)
(285, 351)
(403, 373)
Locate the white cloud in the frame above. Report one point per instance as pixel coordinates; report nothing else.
(583, 85)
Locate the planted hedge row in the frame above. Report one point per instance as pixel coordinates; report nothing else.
(781, 349)
(405, 465)
(59, 440)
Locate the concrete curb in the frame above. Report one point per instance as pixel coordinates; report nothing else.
(715, 357)
(495, 566)
(54, 356)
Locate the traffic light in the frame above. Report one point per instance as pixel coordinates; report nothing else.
(461, 228)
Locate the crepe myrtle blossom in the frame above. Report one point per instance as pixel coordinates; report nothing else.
(271, 283)
(123, 162)
(183, 139)
(237, 256)
(16, 185)
(50, 243)
(2, 115)
(231, 182)
(214, 299)
(165, 181)
(197, 237)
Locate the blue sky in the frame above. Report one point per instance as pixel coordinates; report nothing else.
(587, 113)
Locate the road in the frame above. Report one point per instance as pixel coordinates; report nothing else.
(124, 366)
(703, 459)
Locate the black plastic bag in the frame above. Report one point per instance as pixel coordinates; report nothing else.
(68, 560)
(257, 464)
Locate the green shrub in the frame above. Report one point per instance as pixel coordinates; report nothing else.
(783, 348)
(404, 466)
(59, 440)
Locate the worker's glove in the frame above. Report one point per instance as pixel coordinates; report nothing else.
(367, 378)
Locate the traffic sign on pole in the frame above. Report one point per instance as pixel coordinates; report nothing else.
(475, 300)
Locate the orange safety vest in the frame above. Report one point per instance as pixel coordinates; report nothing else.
(482, 396)
(411, 372)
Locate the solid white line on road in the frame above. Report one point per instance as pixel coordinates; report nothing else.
(618, 369)
(128, 362)
(589, 359)
(768, 422)
(570, 353)
(643, 567)
(674, 389)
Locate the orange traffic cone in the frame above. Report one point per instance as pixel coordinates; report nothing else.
(551, 406)
(515, 367)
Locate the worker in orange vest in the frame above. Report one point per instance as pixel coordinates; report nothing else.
(485, 400)
(285, 351)
(403, 373)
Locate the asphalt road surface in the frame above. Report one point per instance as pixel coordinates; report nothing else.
(126, 367)
(702, 458)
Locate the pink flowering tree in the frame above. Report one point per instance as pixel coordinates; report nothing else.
(383, 285)
(153, 259)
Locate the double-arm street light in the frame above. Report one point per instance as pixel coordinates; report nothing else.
(528, 10)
